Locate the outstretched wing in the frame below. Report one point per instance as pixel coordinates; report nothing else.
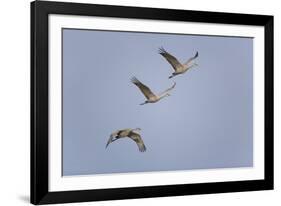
(169, 89)
(137, 138)
(191, 59)
(144, 89)
(170, 58)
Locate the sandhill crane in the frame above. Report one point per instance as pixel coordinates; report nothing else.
(131, 133)
(177, 66)
(150, 96)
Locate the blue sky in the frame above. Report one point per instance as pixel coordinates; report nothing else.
(206, 123)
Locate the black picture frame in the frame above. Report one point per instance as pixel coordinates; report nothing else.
(39, 102)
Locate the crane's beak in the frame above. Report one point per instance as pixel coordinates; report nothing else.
(110, 141)
(107, 144)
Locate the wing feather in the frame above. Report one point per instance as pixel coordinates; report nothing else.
(138, 140)
(170, 58)
(144, 89)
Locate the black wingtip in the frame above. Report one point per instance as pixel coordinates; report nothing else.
(161, 50)
(134, 79)
(197, 54)
(143, 149)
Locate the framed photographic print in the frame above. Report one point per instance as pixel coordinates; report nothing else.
(131, 102)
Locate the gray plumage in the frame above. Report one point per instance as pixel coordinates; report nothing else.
(149, 95)
(178, 67)
(130, 133)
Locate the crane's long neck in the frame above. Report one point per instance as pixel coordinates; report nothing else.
(161, 96)
(191, 66)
